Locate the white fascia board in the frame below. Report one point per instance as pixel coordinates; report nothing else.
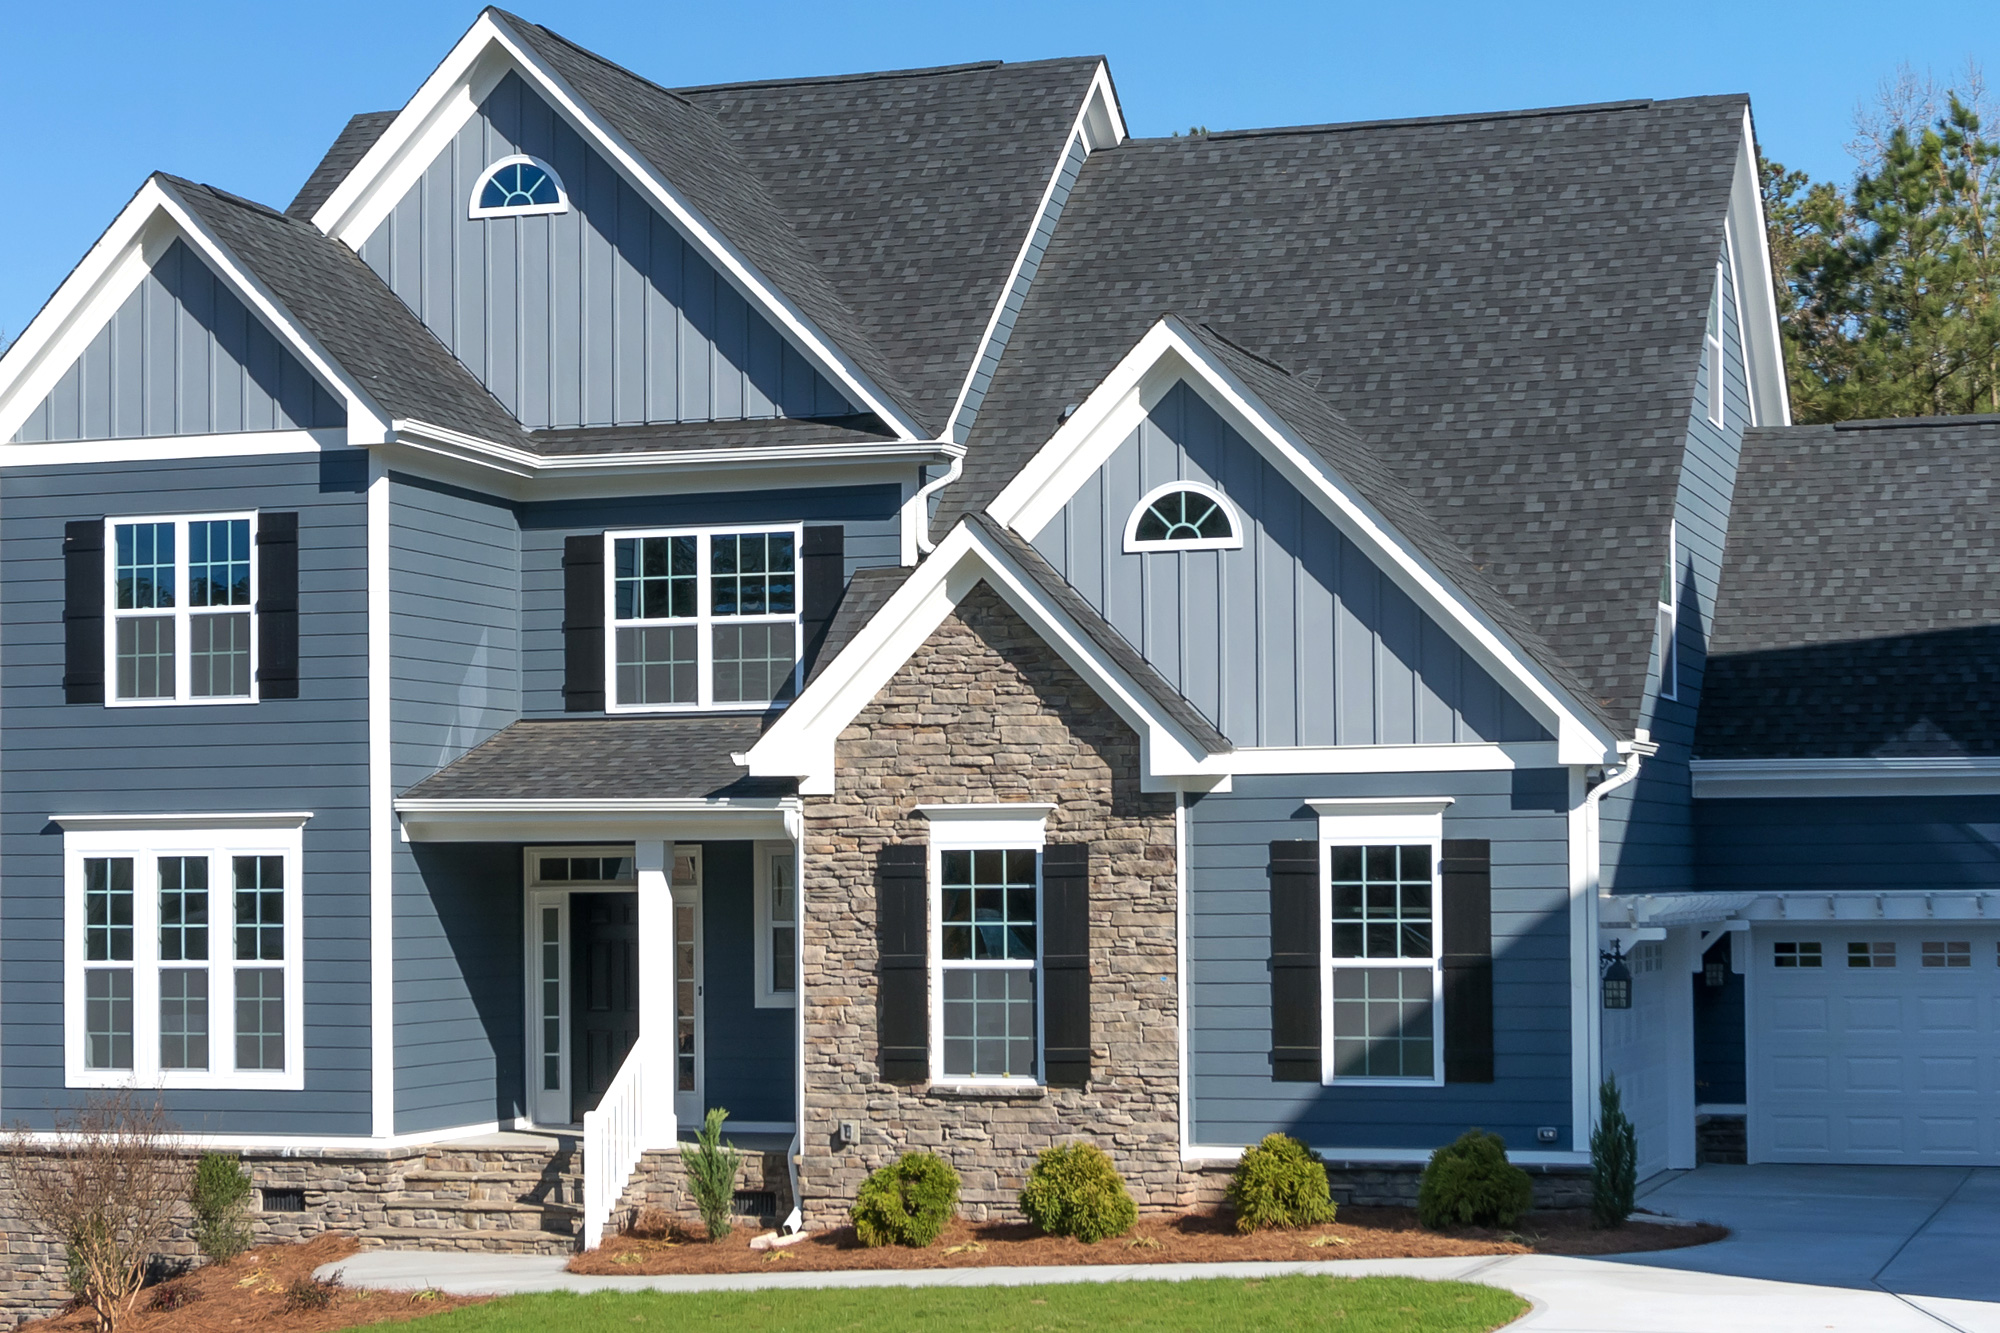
(578, 821)
(1469, 757)
(1744, 779)
(801, 743)
(168, 448)
(451, 97)
(1757, 319)
(1169, 354)
(1100, 125)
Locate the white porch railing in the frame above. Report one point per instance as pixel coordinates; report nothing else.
(614, 1138)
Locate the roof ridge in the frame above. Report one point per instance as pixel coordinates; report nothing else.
(220, 193)
(605, 61)
(1227, 341)
(1462, 118)
(859, 76)
(1899, 423)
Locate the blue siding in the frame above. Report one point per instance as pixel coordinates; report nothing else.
(749, 1055)
(1929, 844)
(1647, 826)
(602, 315)
(1017, 294)
(454, 560)
(1296, 639)
(869, 514)
(308, 753)
(1229, 951)
(182, 356)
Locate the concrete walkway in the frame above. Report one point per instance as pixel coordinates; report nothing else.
(1880, 1249)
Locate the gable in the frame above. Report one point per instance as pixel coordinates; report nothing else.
(600, 315)
(182, 355)
(1297, 638)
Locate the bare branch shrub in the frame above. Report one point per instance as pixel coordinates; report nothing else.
(105, 1185)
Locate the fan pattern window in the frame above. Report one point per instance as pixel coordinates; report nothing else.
(517, 186)
(1182, 516)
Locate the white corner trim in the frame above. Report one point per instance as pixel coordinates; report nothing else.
(1169, 354)
(381, 850)
(1233, 542)
(1743, 779)
(451, 96)
(474, 209)
(224, 820)
(801, 743)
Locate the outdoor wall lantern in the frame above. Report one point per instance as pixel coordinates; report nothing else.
(1617, 979)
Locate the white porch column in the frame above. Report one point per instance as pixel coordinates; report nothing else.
(653, 862)
(1683, 965)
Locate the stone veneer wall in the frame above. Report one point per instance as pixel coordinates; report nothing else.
(985, 711)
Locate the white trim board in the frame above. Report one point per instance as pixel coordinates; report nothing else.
(1741, 779)
(1169, 354)
(173, 448)
(1763, 352)
(489, 50)
(692, 820)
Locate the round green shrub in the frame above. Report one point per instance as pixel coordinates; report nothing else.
(1074, 1190)
(1280, 1183)
(906, 1202)
(1471, 1183)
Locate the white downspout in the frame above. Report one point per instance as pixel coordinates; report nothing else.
(795, 825)
(921, 502)
(1593, 848)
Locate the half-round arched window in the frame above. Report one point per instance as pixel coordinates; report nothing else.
(518, 186)
(1183, 516)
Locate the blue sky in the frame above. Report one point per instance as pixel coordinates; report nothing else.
(247, 96)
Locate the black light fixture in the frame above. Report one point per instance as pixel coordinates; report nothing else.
(1617, 979)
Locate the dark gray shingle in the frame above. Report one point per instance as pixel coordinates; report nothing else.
(355, 139)
(606, 758)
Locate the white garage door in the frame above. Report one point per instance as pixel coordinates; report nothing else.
(1875, 1043)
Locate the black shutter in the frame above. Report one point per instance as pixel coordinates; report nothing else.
(902, 999)
(1295, 1036)
(1467, 872)
(822, 579)
(1066, 965)
(583, 624)
(83, 611)
(277, 606)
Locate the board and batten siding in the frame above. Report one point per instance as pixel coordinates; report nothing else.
(869, 514)
(309, 753)
(749, 1054)
(601, 315)
(1235, 1100)
(181, 356)
(1648, 825)
(455, 628)
(1017, 291)
(1295, 639)
(1887, 844)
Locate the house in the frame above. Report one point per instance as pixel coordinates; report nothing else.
(889, 606)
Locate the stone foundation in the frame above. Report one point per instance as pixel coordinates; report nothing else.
(660, 1184)
(1722, 1140)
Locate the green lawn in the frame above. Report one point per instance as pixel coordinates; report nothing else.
(1267, 1305)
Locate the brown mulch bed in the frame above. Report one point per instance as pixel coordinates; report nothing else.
(1358, 1233)
(252, 1291)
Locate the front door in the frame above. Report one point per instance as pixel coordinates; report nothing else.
(604, 996)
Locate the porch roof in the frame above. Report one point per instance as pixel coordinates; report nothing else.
(607, 759)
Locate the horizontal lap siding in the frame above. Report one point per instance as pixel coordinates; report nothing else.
(1295, 639)
(1647, 826)
(1236, 1102)
(454, 561)
(1907, 844)
(308, 753)
(869, 514)
(181, 356)
(601, 315)
(749, 1059)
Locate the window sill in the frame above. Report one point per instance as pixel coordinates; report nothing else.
(988, 1092)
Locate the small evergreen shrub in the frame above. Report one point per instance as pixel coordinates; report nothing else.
(1471, 1183)
(1074, 1190)
(1614, 1159)
(711, 1170)
(1280, 1183)
(906, 1202)
(220, 1199)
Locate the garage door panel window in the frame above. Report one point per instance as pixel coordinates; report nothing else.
(1795, 953)
(1871, 953)
(1947, 953)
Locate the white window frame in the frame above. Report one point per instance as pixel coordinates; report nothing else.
(1712, 347)
(766, 992)
(551, 1106)
(1670, 619)
(1403, 823)
(1007, 826)
(182, 614)
(704, 620)
(145, 844)
(561, 205)
(1234, 541)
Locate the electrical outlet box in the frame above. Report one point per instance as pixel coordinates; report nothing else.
(850, 1133)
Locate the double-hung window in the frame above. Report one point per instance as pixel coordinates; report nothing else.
(986, 907)
(181, 954)
(181, 599)
(705, 618)
(1382, 987)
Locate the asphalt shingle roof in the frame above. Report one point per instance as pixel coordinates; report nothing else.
(763, 433)
(606, 758)
(867, 590)
(1859, 610)
(1507, 310)
(355, 139)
